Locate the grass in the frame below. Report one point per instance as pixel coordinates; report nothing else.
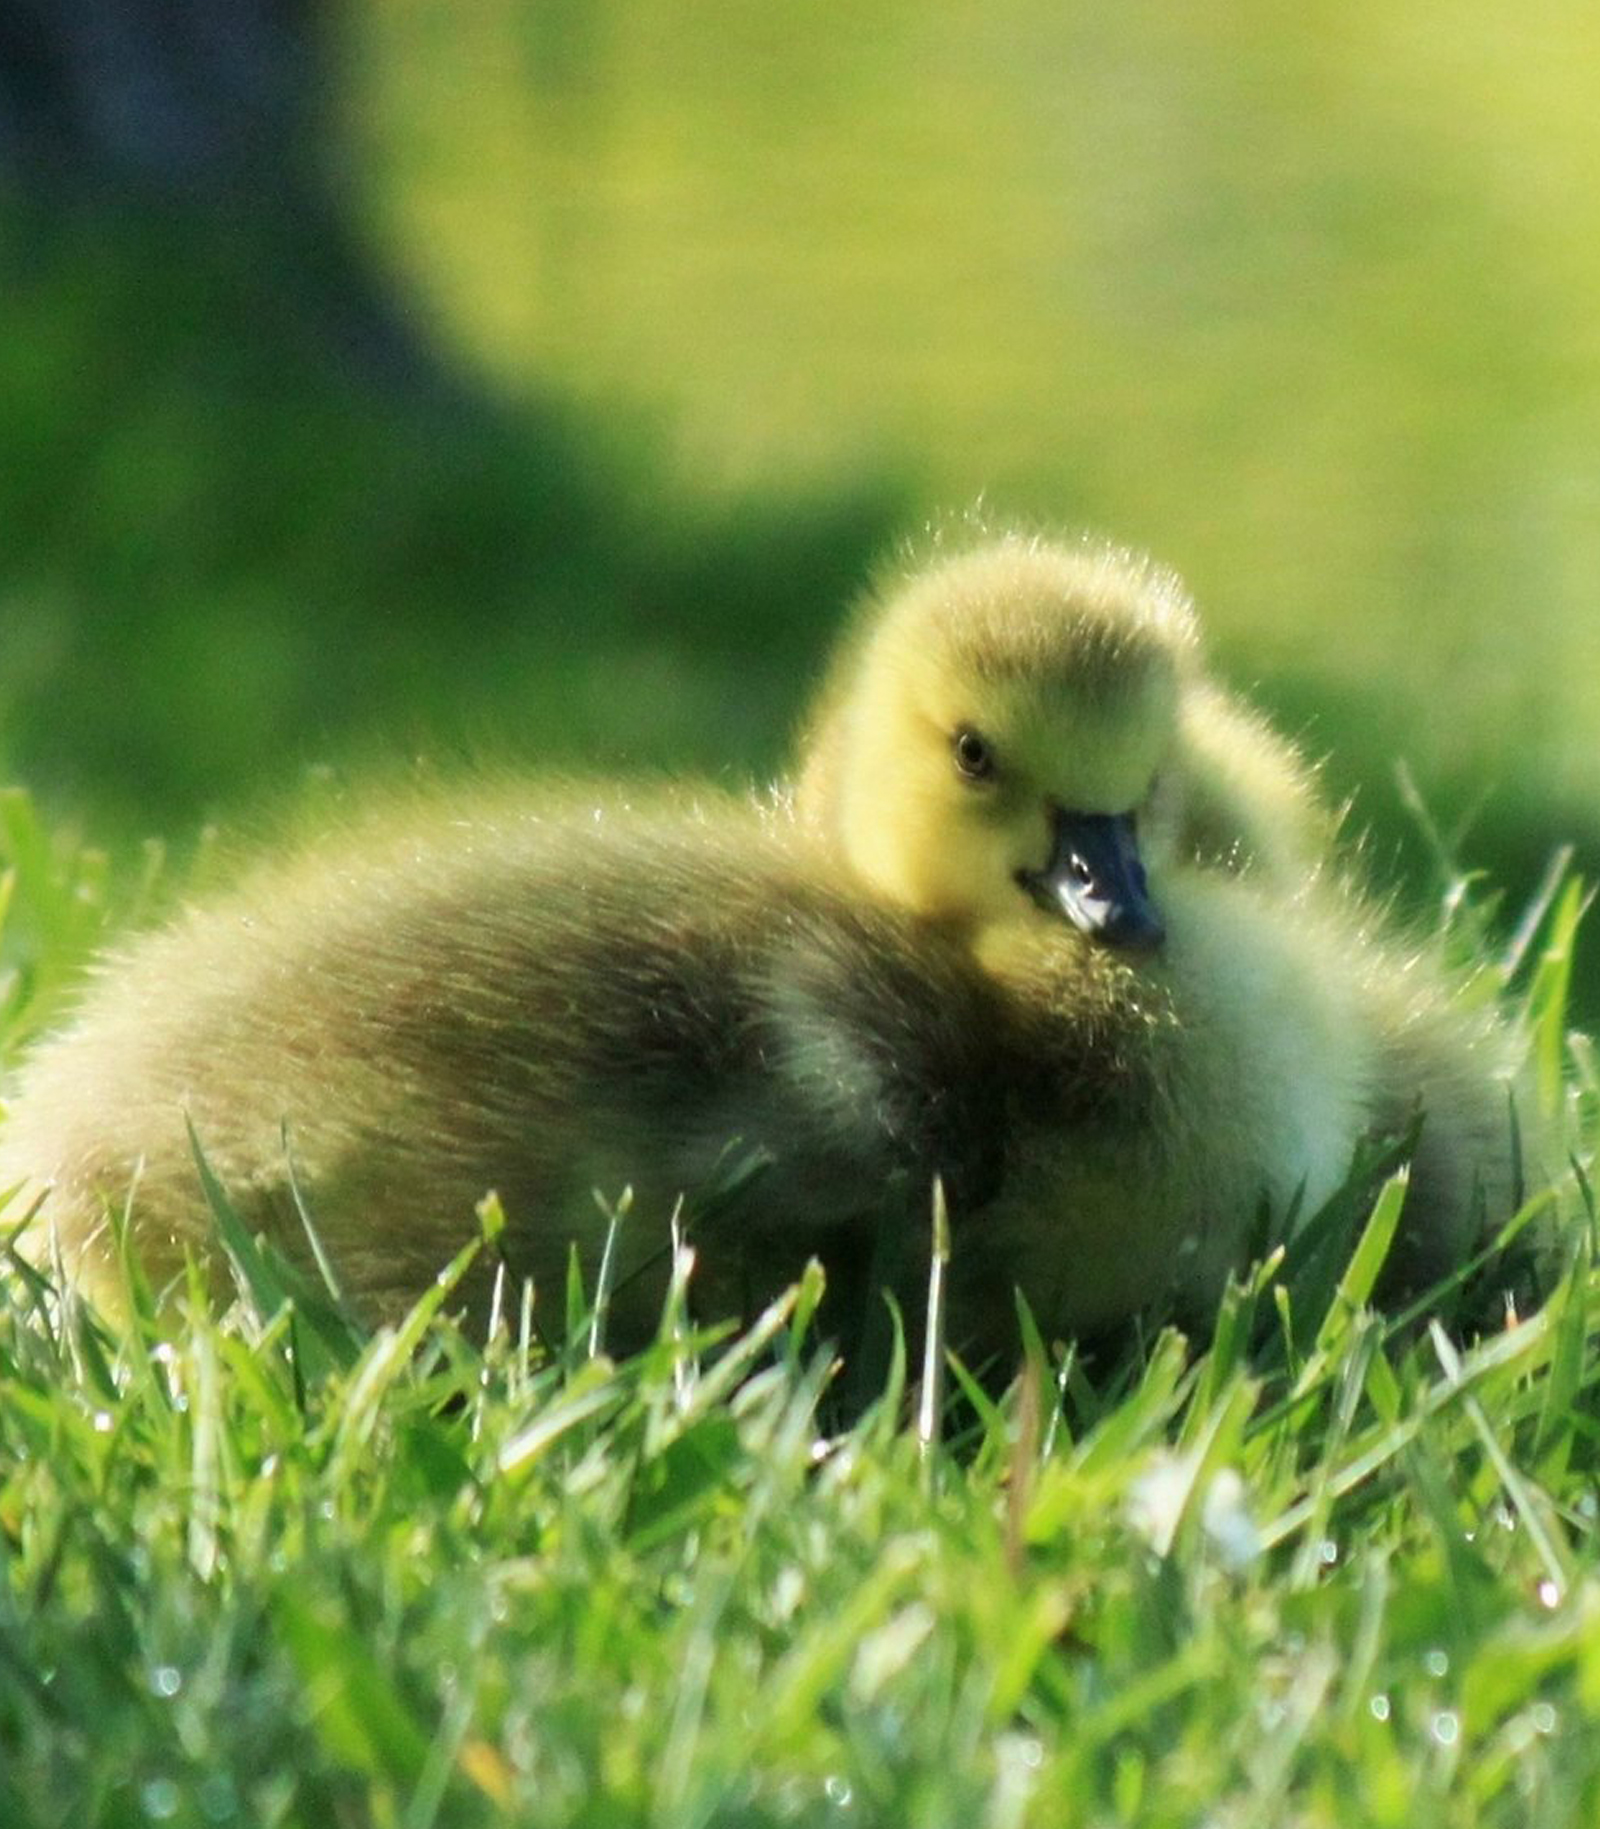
(227, 567)
(260, 1566)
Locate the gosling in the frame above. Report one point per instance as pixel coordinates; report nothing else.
(1046, 917)
(1021, 730)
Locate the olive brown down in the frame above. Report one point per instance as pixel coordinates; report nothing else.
(1045, 914)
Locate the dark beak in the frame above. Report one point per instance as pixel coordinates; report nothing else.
(1094, 878)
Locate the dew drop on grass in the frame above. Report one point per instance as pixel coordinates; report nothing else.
(102, 1422)
(1156, 1500)
(1543, 1717)
(1436, 1662)
(159, 1799)
(1226, 1520)
(838, 1791)
(788, 1591)
(1378, 1707)
(1445, 1727)
(1549, 1594)
(165, 1680)
(1017, 1758)
(1327, 1552)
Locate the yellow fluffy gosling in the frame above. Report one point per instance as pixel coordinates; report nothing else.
(1022, 730)
(1045, 919)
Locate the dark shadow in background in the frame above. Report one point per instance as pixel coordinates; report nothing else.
(255, 507)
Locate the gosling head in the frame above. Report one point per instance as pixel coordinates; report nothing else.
(993, 743)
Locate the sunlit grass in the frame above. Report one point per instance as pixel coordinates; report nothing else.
(260, 1565)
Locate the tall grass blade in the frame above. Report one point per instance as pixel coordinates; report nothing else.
(930, 1403)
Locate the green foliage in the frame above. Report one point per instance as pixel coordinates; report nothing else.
(260, 1566)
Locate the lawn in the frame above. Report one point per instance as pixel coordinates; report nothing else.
(1300, 304)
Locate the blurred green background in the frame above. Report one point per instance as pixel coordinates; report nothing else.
(542, 379)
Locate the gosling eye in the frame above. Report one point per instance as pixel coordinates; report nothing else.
(974, 756)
